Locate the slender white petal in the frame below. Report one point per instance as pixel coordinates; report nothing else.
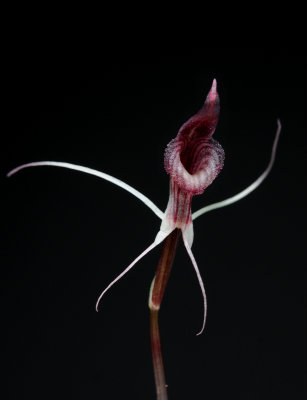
(189, 234)
(201, 284)
(250, 188)
(159, 238)
(99, 174)
(162, 234)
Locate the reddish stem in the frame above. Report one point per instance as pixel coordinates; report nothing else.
(155, 299)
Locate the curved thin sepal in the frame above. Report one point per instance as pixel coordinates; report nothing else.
(201, 284)
(94, 172)
(250, 188)
(159, 238)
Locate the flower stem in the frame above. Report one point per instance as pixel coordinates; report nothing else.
(155, 298)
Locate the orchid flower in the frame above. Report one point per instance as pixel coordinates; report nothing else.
(193, 160)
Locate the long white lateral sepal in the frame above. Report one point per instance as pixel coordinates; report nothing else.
(250, 188)
(94, 172)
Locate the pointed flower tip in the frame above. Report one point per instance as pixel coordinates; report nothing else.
(214, 85)
(212, 95)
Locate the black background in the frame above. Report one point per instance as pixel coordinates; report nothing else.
(66, 235)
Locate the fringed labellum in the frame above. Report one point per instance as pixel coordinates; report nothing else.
(193, 160)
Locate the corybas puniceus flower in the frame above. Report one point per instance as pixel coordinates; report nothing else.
(193, 160)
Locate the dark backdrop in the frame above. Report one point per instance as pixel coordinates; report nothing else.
(66, 235)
